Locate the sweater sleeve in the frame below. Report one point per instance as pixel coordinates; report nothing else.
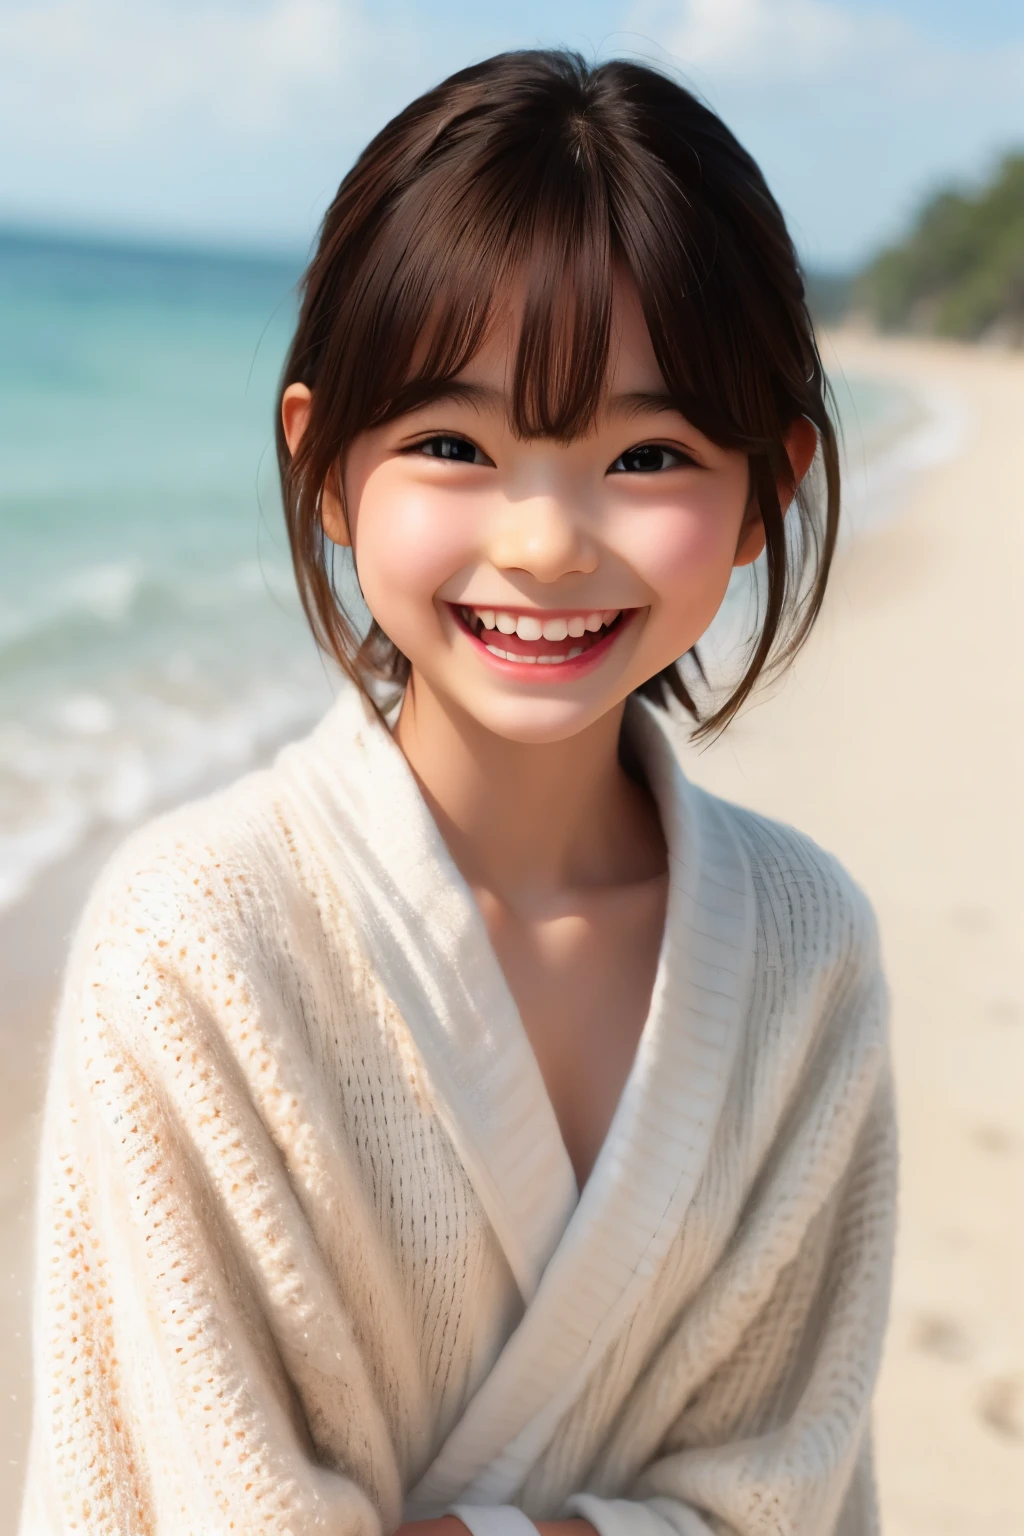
(175, 1280)
(777, 1439)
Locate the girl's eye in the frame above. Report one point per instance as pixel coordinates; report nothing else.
(458, 448)
(649, 458)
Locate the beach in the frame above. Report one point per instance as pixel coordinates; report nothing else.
(897, 741)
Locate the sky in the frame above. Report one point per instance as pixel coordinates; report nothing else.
(230, 122)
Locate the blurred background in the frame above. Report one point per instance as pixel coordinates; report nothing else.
(164, 167)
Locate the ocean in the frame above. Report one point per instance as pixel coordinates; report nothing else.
(151, 638)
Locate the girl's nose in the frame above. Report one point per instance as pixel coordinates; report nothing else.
(541, 536)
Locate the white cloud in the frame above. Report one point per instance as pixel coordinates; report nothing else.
(90, 71)
(854, 111)
(758, 37)
(773, 43)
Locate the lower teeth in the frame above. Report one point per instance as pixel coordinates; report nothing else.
(577, 650)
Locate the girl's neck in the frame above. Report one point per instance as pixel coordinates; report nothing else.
(528, 821)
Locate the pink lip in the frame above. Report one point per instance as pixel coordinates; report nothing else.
(527, 671)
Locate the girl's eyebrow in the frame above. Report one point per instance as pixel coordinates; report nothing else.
(643, 402)
(486, 397)
(458, 392)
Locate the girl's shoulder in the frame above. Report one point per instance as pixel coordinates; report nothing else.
(811, 911)
(817, 998)
(215, 863)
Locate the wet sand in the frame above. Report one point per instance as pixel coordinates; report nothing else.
(898, 742)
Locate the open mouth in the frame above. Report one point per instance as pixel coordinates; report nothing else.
(541, 638)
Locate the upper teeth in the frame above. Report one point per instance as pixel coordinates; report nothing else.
(528, 627)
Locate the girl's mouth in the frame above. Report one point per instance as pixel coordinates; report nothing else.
(538, 641)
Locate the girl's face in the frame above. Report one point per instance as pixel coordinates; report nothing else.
(535, 584)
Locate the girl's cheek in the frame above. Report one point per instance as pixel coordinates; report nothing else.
(684, 551)
(408, 544)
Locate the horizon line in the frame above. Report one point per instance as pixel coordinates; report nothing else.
(156, 244)
(15, 230)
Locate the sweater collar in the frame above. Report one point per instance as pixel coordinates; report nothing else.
(424, 936)
(581, 1261)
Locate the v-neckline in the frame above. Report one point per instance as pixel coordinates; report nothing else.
(483, 939)
(349, 715)
(582, 1258)
(649, 1164)
(664, 883)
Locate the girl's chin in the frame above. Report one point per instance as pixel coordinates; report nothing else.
(529, 718)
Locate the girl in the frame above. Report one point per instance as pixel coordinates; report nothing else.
(466, 1122)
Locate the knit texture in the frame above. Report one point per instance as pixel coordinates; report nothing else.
(309, 1252)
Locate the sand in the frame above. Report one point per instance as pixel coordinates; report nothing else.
(898, 742)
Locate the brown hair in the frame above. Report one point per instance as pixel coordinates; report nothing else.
(536, 168)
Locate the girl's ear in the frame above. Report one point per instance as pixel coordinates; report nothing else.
(801, 445)
(296, 404)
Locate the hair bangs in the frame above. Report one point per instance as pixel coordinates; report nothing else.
(563, 282)
(539, 260)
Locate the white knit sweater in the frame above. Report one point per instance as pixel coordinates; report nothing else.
(310, 1253)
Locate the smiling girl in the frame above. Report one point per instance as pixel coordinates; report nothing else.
(465, 1121)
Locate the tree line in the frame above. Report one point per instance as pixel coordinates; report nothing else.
(959, 272)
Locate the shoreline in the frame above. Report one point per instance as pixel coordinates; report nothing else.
(895, 578)
(878, 477)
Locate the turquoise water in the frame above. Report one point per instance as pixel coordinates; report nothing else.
(149, 632)
(150, 635)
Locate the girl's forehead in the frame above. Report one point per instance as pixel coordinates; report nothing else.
(557, 340)
(631, 367)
